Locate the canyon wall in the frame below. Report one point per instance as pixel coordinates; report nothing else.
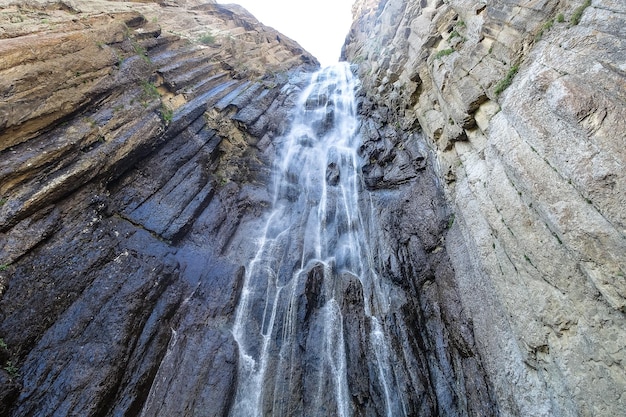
(133, 139)
(136, 146)
(519, 106)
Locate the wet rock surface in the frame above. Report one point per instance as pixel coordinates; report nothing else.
(351, 307)
(136, 145)
(408, 220)
(128, 160)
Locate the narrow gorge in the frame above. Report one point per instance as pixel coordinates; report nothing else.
(198, 220)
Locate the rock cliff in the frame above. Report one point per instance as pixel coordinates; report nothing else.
(133, 137)
(521, 106)
(136, 146)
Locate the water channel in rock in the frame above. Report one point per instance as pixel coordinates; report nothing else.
(313, 271)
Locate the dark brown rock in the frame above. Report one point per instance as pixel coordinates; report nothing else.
(119, 202)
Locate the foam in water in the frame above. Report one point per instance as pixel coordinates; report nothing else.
(289, 324)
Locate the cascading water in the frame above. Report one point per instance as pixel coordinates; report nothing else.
(313, 276)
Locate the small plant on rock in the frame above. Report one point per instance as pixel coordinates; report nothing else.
(450, 221)
(506, 82)
(207, 39)
(167, 114)
(120, 60)
(150, 90)
(546, 27)
(11, 369)
(443, 52)
(578, 13)
(141, 51)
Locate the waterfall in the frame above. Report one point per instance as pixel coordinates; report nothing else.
(311, 300)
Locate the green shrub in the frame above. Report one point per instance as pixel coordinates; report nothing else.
(450, 221)
(150, 90)
(120, 59)
(141, 51)
(11, 369)
(207, 39)
(546, 27)
(167, 114)
(578, 13)
(443, 52)
(506, 82)
(560, 18)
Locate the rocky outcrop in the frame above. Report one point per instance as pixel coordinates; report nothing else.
(135, 137)
(519, 108)
(136, 140)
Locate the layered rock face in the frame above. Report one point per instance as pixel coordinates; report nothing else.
(133, 139)
(533, 174)
(136, 145)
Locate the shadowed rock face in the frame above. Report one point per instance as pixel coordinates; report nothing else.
(129, 155)
(408, 222)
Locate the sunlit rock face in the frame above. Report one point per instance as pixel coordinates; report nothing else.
(533, 174)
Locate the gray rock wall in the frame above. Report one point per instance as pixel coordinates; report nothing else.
(533, 174)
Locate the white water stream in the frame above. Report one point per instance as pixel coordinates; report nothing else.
(314, 234)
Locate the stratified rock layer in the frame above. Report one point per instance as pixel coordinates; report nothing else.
(133, 139)
(135, 145)
(534, 174)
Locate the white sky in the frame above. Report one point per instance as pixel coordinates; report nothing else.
(319, 26)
